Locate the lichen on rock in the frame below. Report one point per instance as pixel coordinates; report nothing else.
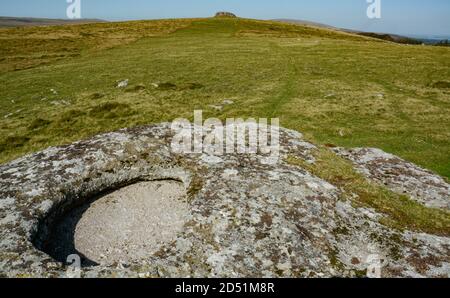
(246, 217)
(400, 176)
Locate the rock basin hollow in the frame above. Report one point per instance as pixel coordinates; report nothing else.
(129, 224)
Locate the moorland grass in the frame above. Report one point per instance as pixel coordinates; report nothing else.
(400, 211)
(335, 87)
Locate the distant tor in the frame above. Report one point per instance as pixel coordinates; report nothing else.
(224, 14)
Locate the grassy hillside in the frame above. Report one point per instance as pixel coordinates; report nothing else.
(20, 22)
(58, 83)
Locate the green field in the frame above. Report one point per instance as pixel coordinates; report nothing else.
(336, 88)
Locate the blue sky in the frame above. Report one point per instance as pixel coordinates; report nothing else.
(422, 17)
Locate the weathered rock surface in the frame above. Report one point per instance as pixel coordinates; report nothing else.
(122, 84)
(122, 226)
(400, 176)
(224, 14)
(247, 217)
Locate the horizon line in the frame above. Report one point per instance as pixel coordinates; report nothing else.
(114, 20)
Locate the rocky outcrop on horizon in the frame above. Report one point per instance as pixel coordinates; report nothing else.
(224, 14)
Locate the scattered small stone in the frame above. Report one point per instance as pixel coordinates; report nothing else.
(54, 91)
(216, 107)
(122, 84)
(227, 102)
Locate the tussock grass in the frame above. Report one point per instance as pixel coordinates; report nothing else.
(401, 212)
(28, 47)
(38, 123)
(442, 85)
